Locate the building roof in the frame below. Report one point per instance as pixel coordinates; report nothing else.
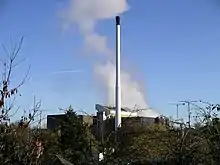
(141, 113)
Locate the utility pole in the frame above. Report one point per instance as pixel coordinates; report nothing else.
(188, 102)
(177, 109)
(189, 114)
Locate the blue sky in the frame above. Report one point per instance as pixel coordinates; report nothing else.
(172, 45)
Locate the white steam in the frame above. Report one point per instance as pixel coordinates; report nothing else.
(85, 14)
(131, 92)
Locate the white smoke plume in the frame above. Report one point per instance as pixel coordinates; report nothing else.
(85, 14)
(131, 92)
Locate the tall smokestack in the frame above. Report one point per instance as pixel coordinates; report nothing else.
(118, 76)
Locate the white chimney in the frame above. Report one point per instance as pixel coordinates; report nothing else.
(118, 76)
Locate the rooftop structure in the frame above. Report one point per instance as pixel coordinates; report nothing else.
(125, 112)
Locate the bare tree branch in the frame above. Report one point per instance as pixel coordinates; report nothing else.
(7, 92)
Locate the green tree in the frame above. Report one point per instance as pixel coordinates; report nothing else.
(76, 141)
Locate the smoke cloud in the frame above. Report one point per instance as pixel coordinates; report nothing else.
(86, 14)
(131, 92)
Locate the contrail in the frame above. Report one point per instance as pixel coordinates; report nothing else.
(66, 71)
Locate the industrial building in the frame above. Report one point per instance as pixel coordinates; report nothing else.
(103, 113)
(54, 121)
(143, 116)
